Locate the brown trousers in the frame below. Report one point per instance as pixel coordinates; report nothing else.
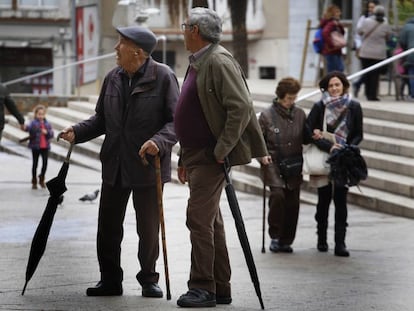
(283, 214)
(210, 266)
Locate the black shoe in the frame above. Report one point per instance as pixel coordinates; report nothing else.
(322, 246)
(274, 246)
(197, 298)
(105, 289)
(284, 248)
(151, 290)
(223, 300)
(340, 250)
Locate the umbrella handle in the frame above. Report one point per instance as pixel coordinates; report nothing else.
(70, 148)
(69, 153)
(226, 169)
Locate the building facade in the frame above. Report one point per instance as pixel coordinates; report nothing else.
(38, 35)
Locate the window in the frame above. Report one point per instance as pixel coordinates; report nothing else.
(37, 3)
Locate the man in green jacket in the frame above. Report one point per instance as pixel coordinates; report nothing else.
(214, 121)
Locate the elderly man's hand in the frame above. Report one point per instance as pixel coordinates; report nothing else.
(68, 134)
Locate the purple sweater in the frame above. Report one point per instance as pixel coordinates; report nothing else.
(190, 123)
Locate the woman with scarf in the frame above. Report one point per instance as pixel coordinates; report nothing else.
(343, 119)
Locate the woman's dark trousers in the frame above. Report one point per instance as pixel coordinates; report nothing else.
(325, 195)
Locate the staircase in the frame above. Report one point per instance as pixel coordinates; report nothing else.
(388, 148)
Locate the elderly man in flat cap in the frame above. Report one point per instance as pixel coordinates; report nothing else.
(135, 111)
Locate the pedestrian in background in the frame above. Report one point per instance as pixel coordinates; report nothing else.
(406, 41)
(214, 121)
(284, 131)
(343, 117)
(40, 134)
(369, 10)
(135, 111)
(332, 28)
(375, 31)
(8, 102)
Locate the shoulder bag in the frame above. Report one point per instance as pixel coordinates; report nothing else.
(314, 159)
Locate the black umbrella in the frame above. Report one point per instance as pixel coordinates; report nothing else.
(56, 188)
(241, 231)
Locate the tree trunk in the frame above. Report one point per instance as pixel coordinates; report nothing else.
(238, 10)
(200, 3)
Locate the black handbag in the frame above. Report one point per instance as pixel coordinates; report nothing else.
(290, 167)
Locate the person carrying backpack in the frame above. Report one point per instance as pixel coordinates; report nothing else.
(333, 38)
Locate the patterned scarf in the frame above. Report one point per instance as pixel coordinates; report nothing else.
(336, 115)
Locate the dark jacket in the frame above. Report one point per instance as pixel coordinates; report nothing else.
(284, 134)
(35, 131)
(8, 102)
(354, 123)
(406, 40)
(328, 26)
(129, 121)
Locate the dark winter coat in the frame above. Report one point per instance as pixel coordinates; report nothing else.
(354, 123)
(292, 133)
(128, 121)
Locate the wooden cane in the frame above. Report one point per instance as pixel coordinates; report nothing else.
(264, 211)
(161, 211)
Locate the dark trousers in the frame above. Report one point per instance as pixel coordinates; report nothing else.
(371, 79)
(112, 209)
(44, 153)
(339, 195)
(210, 265)
(283, 214)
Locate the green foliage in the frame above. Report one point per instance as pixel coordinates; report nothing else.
(405, 10)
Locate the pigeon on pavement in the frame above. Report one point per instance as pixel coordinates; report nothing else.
(89, 196)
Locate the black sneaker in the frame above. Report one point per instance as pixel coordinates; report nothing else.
(197, 298)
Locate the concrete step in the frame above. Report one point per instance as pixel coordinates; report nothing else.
(383, 144)
(90, 148)
(389, 163)
(400, 126)
(82, 106)
(68, 114)
(388, 149)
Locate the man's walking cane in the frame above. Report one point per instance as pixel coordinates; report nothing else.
(161, 211)
(264, 211)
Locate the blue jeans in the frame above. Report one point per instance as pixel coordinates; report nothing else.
(334, 62)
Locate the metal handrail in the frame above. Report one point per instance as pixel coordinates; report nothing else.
(363, 71)
(41, 73)
(300, 98)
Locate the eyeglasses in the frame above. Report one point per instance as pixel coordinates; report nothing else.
(184, 26)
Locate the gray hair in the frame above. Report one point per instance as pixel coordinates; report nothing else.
(208, 22)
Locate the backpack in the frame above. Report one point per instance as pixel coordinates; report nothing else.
(318, 41)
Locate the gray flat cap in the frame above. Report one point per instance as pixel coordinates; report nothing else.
(141, 36)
